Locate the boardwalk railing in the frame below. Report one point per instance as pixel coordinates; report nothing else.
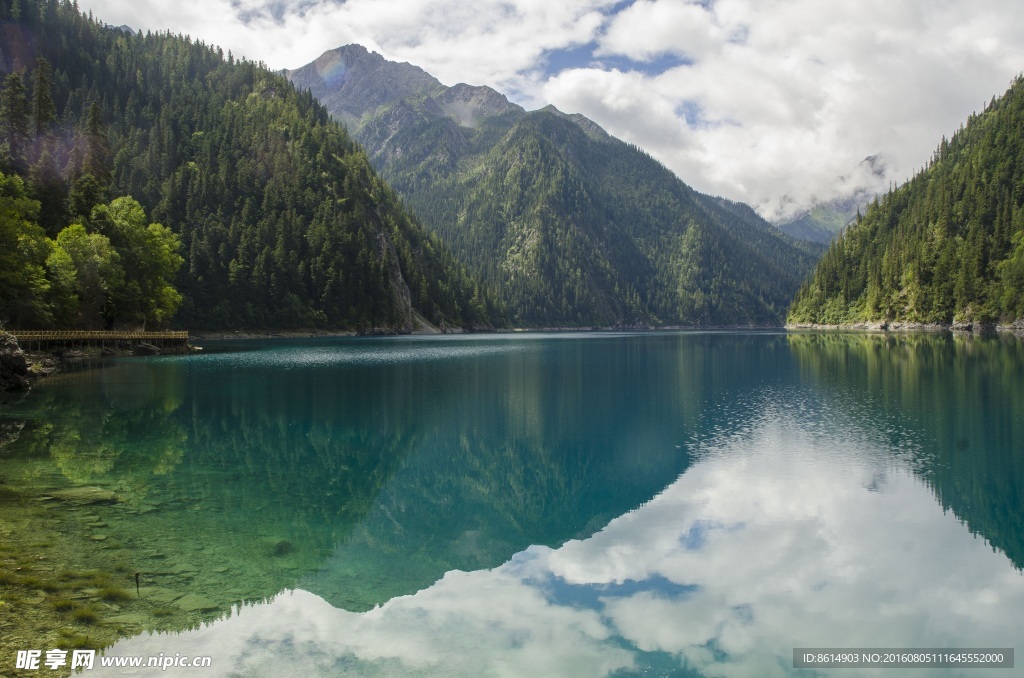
(39, 338)
(98, 335)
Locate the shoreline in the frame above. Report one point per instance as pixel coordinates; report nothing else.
(1016, 328)
(21, 369)
(41, 364)
(218, 335)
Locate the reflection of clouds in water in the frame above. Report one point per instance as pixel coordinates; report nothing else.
(777, 539)
(798, 551)
(467, 624)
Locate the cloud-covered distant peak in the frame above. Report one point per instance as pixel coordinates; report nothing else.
(755, 100)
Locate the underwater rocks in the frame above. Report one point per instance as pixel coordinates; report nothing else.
(86, 495)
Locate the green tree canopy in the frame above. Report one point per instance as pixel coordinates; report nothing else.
(946, 246)
(98, 280)
(149, 256)
(23, 251)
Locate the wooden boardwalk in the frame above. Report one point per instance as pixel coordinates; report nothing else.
(39, 339)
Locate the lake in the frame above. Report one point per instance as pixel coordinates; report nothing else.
(679, 504)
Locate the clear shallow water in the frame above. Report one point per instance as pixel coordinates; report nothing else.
(654, 504)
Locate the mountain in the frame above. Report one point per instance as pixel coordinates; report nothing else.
(947, 247)
(822, 222)
(565, 224)
(826, 219)
(281, 218)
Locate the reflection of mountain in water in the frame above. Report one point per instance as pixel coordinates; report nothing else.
(215, 487)
(364, 470)
(965, 394)
(797, 519)
(382, 465)
(537, 447)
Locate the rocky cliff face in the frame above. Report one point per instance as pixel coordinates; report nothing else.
(468, 105)
(398, 286)
(355, 84)
(351, 82)
(14, 372)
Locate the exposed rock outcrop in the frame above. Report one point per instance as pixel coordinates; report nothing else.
(14, 372)
(399, 288)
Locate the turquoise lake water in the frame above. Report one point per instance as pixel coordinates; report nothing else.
(691, 504)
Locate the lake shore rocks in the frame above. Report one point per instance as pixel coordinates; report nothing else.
(18, 368)
(1017, 327)
(14, 368)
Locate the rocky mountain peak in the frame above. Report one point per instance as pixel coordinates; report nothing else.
(353, 81)
(468, 104)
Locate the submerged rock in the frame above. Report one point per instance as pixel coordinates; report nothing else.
(86, 495)
(195, 603)
(159, 595)
(128, 619)
(282, 548)
(9, 431)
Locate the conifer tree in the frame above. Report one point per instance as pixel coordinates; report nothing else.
(15, 115)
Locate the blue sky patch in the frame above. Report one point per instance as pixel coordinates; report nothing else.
(560, 592)
(583, 56)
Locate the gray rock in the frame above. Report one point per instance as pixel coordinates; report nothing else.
(159, 594)
(195, 603)
(86, 495)
(128, 619)
(14, 372)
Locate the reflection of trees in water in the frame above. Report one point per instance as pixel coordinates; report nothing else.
(966, 393)
(285, 463)
(244, 481)
(120, 439)
(223, 490)
(539, 448)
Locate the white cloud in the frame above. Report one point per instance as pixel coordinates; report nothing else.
(793, 94)
(494, 42)
(649, 28)
(784, 535)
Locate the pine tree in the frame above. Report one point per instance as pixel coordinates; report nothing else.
(44, 111)
(14, 124)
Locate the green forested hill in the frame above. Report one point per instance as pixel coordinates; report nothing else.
(566, 224)
(281, 219)
(946, 247)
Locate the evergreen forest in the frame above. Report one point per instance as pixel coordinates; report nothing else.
(150, 180)
(945, 248)
(565, 224)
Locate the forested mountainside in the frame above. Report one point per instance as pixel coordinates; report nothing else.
(282, 221)
(565, 224)
(946, 247)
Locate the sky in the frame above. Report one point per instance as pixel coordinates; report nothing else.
(776, 103)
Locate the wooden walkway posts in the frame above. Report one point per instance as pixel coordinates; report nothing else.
(43, 339)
